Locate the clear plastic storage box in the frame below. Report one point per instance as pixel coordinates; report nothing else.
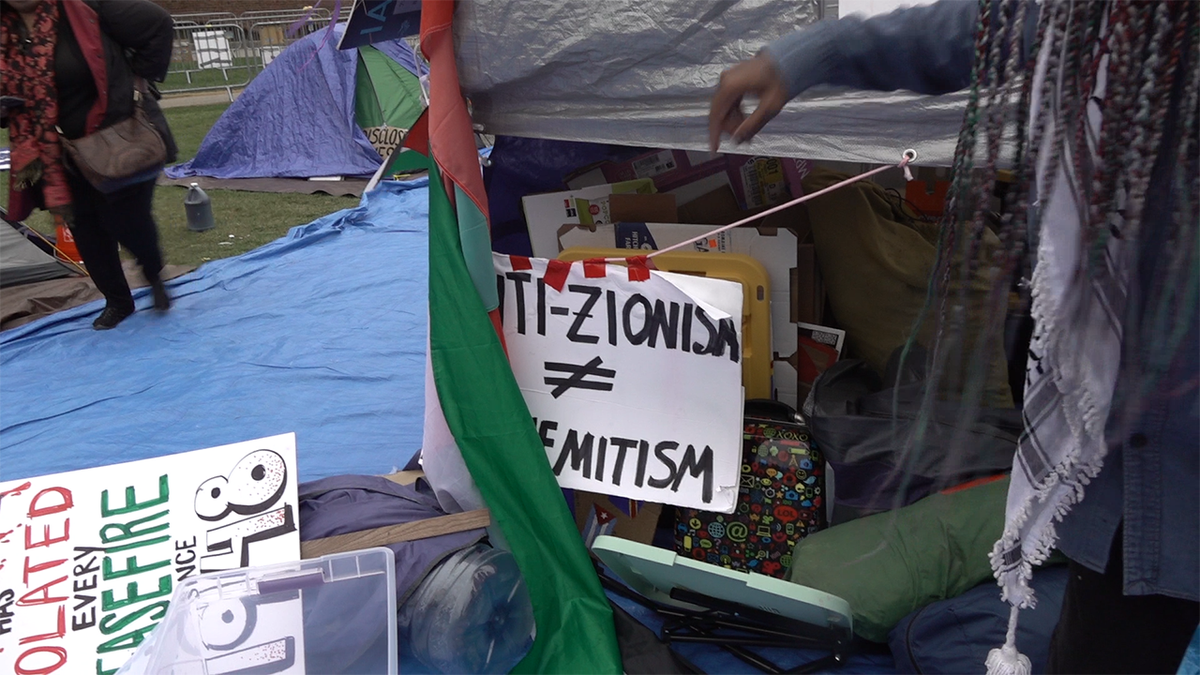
(335, 614)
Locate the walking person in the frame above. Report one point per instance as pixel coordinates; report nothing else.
(71, 67)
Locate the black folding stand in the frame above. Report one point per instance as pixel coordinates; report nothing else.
(735, 627)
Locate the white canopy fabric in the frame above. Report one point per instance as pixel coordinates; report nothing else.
(641, 72)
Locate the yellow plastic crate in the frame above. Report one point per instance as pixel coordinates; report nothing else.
(756, 300)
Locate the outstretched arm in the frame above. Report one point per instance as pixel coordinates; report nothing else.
(927, 49)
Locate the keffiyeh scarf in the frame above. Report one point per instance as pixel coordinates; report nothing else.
(1074, 358)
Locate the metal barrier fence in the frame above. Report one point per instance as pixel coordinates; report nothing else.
(204, 56)
(221, 51)
(205, 17)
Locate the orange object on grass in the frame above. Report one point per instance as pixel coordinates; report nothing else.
(64, 242)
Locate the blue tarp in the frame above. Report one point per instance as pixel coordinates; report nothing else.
(321, 332)
(296, 118)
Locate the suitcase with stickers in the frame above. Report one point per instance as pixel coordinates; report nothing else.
(780, 501)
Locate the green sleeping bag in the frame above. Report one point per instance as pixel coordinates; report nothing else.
(890, 564)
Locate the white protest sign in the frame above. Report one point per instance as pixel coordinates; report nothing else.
(635, 386)
(89, 558)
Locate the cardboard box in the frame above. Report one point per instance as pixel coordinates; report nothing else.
(776, 249)
(807, 288)
(819, 348)
(625, 518)
(755, 181)
(615, 208)
(651, 165)
(761, 182)
(545, 213)
(720, 207)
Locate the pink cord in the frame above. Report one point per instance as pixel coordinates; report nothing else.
(906, 157)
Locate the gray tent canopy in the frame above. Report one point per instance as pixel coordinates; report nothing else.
(631, 72)
(21, 262)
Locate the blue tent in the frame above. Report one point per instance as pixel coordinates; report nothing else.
(297, 118)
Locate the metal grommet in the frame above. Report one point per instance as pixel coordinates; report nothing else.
(910, 155)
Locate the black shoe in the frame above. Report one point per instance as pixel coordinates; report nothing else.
(111, 316)
(162, 301)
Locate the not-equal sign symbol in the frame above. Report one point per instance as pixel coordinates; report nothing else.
(578, 375)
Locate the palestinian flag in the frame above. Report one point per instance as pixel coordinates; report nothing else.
(480, 403)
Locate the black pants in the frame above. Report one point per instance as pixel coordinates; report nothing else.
(1102, 630)
(102, 221)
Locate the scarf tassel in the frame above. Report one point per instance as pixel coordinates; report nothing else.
(1007, 660)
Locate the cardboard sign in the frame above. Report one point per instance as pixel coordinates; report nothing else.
(635, 386)
(776, 251)
(385, 139)
(545, 213)
(212, 49)
(89, 559)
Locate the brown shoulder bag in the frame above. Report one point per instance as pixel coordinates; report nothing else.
(128, 152)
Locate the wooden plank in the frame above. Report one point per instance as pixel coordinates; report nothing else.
(392, 534)
(405, 477)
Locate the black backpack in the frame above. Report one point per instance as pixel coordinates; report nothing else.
(866, 440)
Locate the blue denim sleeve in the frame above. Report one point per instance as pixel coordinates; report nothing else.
(927, 49)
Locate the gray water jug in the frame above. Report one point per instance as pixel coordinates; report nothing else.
(199, 209)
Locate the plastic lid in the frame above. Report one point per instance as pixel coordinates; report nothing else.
(654, 572)
(333, 614)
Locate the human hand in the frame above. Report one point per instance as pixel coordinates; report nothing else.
(758, 76)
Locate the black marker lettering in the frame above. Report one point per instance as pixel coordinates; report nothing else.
(580, 453)
(584, 313)
(92, 566)
(519, 279)
(687, 328)
(705, 347)
(541, 306)
(84, 600)
(660, 323)
(612, 318)
(660, 453)
(640, 336)
(599, 475)
(500, 296)
(643, 455)
(727, 336)
(702, 468)
(622, 445)
(544, 430)
(84, 621)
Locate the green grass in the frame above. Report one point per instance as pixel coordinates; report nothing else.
(244, 220)
(189, 126)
